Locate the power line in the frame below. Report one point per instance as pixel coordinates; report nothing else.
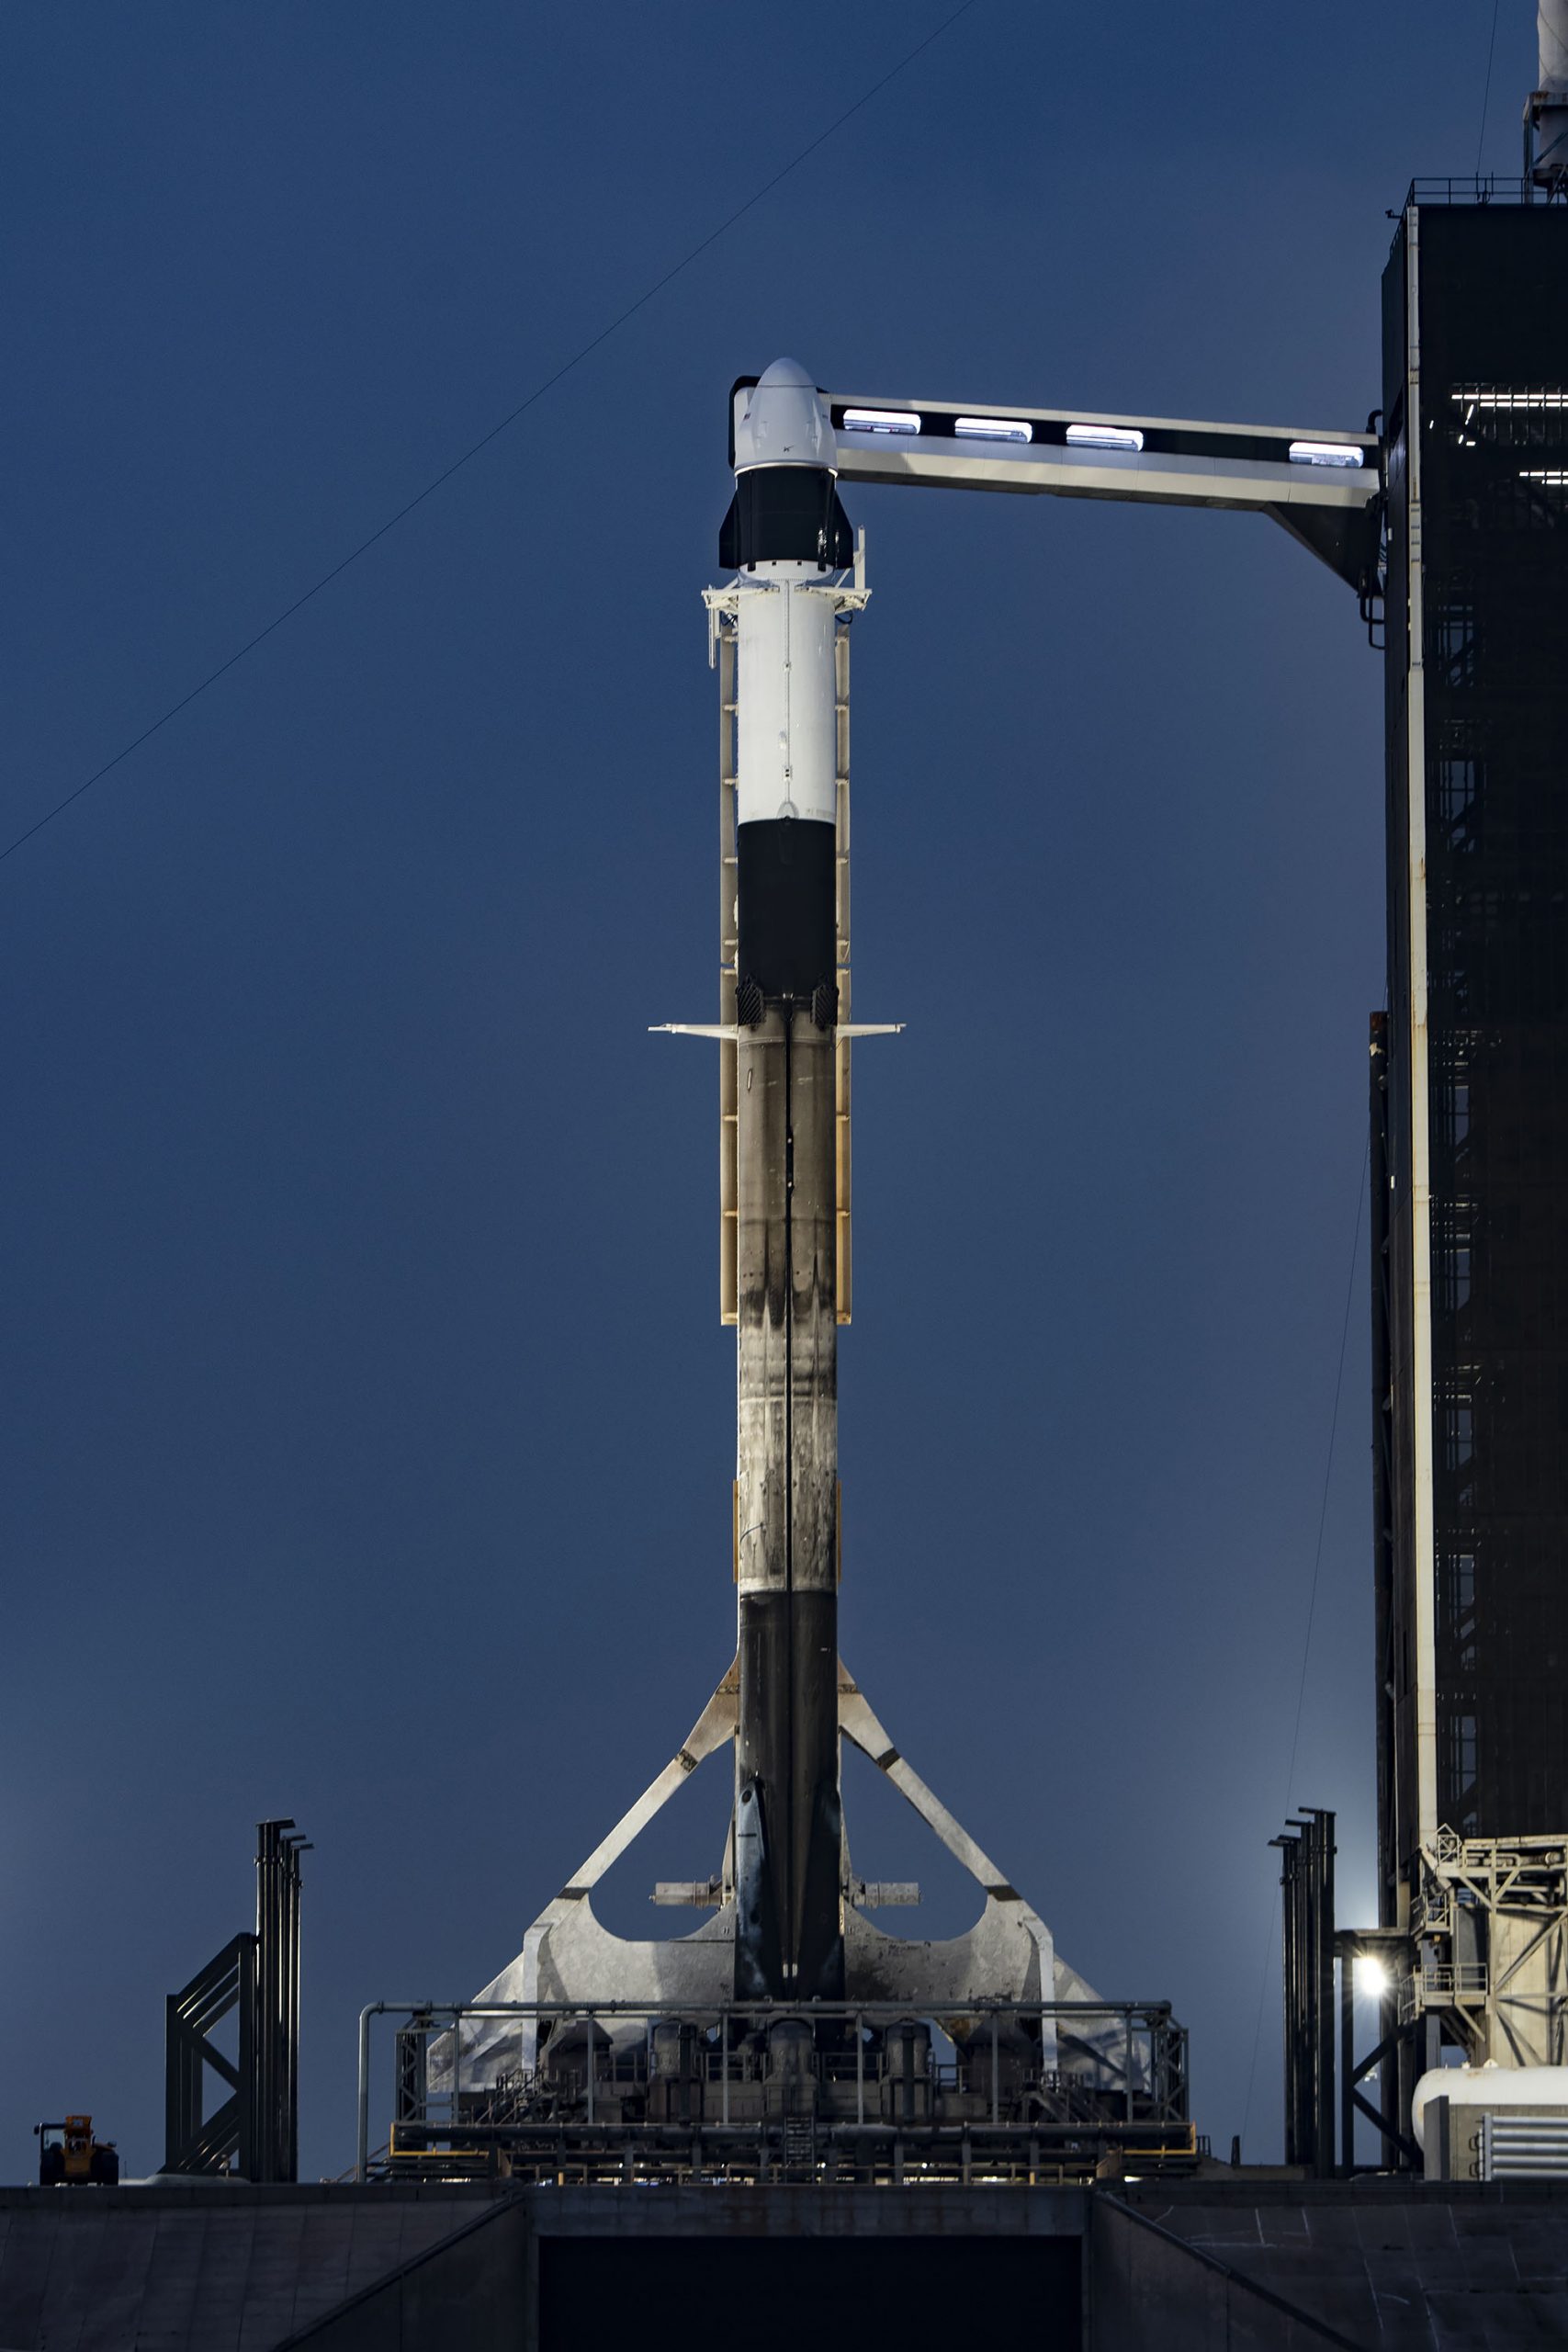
(494, 434)
(1328, 1466)
(1490, 48)
(1312, 1605)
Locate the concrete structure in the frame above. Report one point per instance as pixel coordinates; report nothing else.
(1232, 2260)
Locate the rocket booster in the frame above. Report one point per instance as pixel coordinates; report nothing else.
(786, 537)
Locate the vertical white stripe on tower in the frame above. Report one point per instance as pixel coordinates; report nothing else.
(1421, 1401)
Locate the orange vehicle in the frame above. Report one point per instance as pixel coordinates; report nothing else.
(73, 2159)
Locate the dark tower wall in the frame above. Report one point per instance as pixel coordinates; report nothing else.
(1471, 1078)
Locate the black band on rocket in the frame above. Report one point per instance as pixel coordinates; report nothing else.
(785, 890)
(786, 515)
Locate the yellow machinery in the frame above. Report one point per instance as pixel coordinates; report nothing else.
(73, 2159)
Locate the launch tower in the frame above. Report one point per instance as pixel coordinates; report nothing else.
(1470, 1069)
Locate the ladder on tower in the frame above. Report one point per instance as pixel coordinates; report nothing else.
(800, 2148)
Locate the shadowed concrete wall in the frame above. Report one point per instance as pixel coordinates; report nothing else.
(188, 2269)
(596, 2270)
(1150, 2292)
(1389, 2265)
(476, 2290)
(1383, 2265)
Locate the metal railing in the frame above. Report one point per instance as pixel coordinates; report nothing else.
(1130, 2053)
(1441, 1985)
(1476, 187)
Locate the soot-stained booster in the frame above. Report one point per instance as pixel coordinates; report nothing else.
(787, 541)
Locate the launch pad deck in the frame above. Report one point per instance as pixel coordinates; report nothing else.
(1233, 2258)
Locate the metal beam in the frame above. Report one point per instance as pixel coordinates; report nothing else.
(1179, 461)
(1323, 484)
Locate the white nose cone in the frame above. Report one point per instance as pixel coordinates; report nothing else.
(785, 423)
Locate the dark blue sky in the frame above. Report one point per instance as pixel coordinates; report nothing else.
(369, 1426)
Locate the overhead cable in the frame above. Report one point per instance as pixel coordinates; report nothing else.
(538, 393)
